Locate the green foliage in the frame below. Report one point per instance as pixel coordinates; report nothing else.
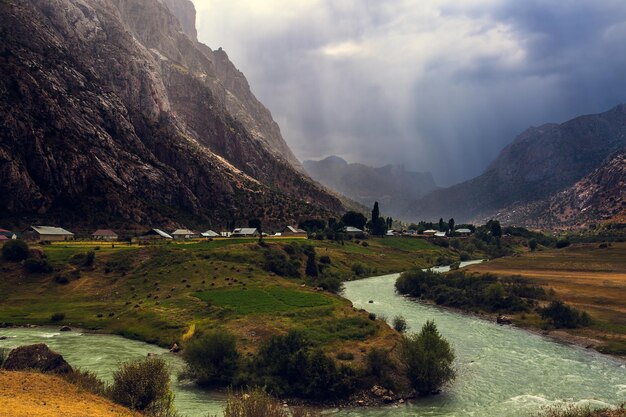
(379, 227)
(379, 364)
(495, 228)
(37, 266)
(15, 250)
(289, 366)
(359, 270)
(258, 403)
(56, 317)
(212, 359)
(562, 243)
(354, 219)
(329, 281)
(83, 259)
(311, 265)
(460, 290)
(399, 324)
(561, 315)
(278, 263)
(532, 244)
(312, 225)
(325, 260)
(143, 385)
(427, 358)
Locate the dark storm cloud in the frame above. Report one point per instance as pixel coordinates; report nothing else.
(438, 85)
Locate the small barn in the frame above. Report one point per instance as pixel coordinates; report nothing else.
(105, 234)
(47, 234)
(155, 234)
(245, 232)
(293, 231)
(463, 232)
(352, 231)
(210, 234)
(430, 232)
(185, 234)
(440, 234)
(4, 233)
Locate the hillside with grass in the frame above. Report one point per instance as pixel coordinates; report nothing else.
(165, 294)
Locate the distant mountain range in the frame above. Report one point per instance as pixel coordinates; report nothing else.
(391, 185)
(114, 114)
(542, 167)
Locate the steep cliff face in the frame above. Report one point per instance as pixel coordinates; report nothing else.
(110, 114)
(392, 186)
(540, 162)
(598, 197)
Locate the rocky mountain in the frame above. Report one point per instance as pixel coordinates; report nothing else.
(598, 197)
(392, 186)
(112, 113)
(537, 164)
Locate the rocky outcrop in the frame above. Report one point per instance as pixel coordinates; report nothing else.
(392, 186)
(113, 115)
(540, 162)
(36, 357)
(185, 12)
(598, 197)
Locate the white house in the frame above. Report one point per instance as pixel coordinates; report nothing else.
(463, 232)
(352, 231)
(440, 234)
(155, 234)
(430, 232)
(185, 234)
(47, 234)
(245, 232)
(210, 233)
(293, 231)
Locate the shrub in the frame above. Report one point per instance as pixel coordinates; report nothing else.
(329, 281)
(278, 263)
(56, 317)
(562, 243)
(399, 324)
(87, 381)
(532, 244)
(212, 359)
(358, 269)
(378, 363)
(83, 259)
(365, 244)
(345, 356)
(325, 260)
(15, 250)
(311, 265)
(37, 266)
(561, 315)
(144, 385)
(427, 358)
(372, 316)
(258, 403)
(61, 279)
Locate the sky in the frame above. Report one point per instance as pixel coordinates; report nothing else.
(436, 85)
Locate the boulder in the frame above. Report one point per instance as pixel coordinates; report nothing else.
(39, 357)
(65, 329)
(504, 320)
(175, 348)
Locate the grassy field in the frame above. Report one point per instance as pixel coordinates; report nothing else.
(586, 276)
(157, 293)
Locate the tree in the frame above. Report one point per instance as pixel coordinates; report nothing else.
(451, 225)
(495, 228)
(399, 324)
(212, 359)
(427, 358)
(375, 213)
(311, 265)
(312, 225)
(532, 244)
(379, 228)
(441, 225)
(15, 250)
(389, 222)
(354, 219)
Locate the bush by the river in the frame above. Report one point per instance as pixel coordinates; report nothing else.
(399, 324)
(258, 403)
(144, 385)
(38, 266)
(427, 358)
(289, 366)
(560, 315)
(212, 359)
(460, 290)
(15, 250)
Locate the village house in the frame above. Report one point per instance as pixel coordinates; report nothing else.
(463, 232)
(245, 232)
(293, 231)
(185, 234)
(105, 234)
(210, 234)
(47, 234)
(7, 235)
(440, 234)
(430, 232)
(353, 231)
(155, 234)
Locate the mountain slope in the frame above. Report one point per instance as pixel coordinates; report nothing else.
(392, 186)
(112, 114)
(599, 196)
(540, 162)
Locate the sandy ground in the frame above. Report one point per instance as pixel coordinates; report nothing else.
(25, 394)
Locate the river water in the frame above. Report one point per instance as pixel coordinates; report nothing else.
(502, 371)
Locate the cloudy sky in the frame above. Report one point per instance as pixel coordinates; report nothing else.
(437, 85)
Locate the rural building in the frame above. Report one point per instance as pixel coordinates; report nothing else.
(225, 234)
(104, 234)
(47, 234)
(185, 234)
(245, 232)
(463, 232)
(210, 233)
(293, 231)
(352, 231)
(7, 234)
(440, 234)
(3, 238)
(155, 234)
(430, 232)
